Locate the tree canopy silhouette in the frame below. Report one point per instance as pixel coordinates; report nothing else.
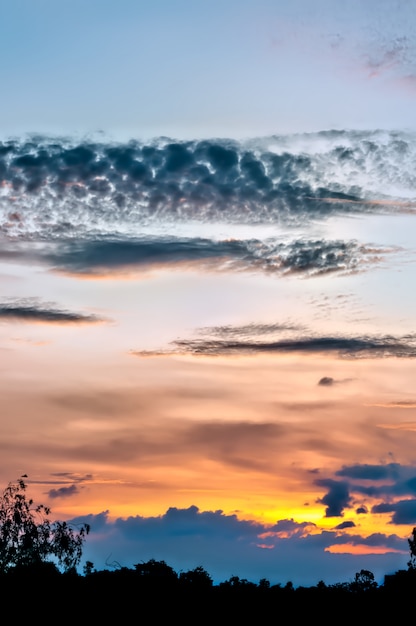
(29, 538)
(412, 546)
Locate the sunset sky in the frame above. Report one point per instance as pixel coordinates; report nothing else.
(207, 258)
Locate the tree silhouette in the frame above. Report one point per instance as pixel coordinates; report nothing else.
(156, 570)
(412, 545)
(197, 578)
(363, 581)
(29, 539)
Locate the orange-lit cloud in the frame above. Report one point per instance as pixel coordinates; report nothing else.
(362, 549)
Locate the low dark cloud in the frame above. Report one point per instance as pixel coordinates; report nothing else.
(290, 528)
(404, 511)
(371, 472)
(326, 381)
(344, 525)
(70, 481)
(337, 497)
(53, 187)
(226, 545)
(389, 480)
(33, 310)
(63, 492)
(383, 482)
(361, 510)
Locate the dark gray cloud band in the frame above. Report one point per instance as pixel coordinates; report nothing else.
(305, 258)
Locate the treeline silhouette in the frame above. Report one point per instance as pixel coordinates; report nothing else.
(156, 590)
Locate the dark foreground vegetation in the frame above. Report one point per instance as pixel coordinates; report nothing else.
(38, 561)
(153, 592)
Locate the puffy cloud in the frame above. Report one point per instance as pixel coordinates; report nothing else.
(326, 381)
(226, 545)
(383, 482)
(336, 499)
(345, 525)
(361, 510)
(290, 528)
(404, 511)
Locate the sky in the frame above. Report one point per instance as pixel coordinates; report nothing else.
(207, 252)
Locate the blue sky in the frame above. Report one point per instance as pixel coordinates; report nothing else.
(193, 68)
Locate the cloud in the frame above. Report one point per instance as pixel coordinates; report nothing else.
(226, 545)
(386, 59)
(239, 444)
(247, 330)
(336, 499)
(391, 479)
(235, 443)
(67, 491)
(54, 188)
(371, 472)
(383, 482)
(326, 381)
(32, 310)
(289, 528)
(98, 403)
(361, 510)
(404, 511)
(306, 258)
(392, 56)
(398, 404)
(345, 525)
(63, 492)
(348, 347)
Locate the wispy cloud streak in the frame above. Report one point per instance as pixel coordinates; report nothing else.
(32, 310)
(347, 347)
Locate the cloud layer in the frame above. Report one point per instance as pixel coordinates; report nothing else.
(226, 545)
(58, 188)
